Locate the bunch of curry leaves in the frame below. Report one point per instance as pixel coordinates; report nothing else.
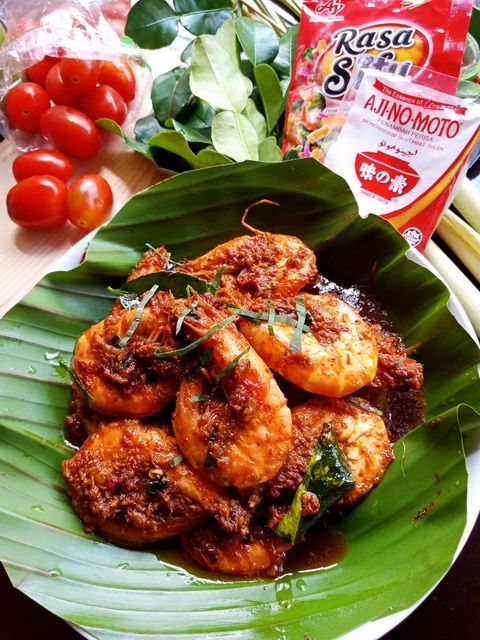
(226, 100)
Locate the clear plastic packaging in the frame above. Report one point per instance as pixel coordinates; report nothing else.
(85, 29)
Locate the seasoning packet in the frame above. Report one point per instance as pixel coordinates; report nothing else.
(402, 146)
(427, 34)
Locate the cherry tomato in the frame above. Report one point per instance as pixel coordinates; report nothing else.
(71, 131)
(24, 104)
(120, 76)
(56, 88)
(89, 202)
(38, 71)
(42, 162)
(105, 102)
(80, 76)
(38, 203)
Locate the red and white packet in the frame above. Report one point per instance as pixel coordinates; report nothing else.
(428, 34)
(402, 146)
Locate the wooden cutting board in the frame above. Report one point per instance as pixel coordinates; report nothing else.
(26, 256)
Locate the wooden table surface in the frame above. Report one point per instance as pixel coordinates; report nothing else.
(452, 612)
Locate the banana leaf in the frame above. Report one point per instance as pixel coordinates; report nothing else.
(401, 538)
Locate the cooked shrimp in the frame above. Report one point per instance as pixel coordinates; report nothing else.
(395, 368)
(338, 354)
(81, 420)
(360, 432)
(265, 264)
(151, 261)
(128, 379)
(130, 482)
(260, 552)
(240, 433)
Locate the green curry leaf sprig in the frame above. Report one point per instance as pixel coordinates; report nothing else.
(226, 100)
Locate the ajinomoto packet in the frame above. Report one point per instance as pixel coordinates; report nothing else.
(428, 34)
(401, 146)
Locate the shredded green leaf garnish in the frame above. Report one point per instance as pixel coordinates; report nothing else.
(116, 292)
(226, 370)
(200, 398)
(271, 319)
(214, 284)
(152, 248)
(128, 299)
(196, 343)
(178, 283)
(257, 316)
(364, 405)
(176, 460)
(296, 343)
(138, 316)
(203, 360)
(183, 315)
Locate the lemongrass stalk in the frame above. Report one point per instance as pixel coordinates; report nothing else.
(256, 8)
(467, 201)
(462, 240)
(295, 6)
(466, 292)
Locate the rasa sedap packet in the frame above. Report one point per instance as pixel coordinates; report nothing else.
(401, 149)
(428, 34)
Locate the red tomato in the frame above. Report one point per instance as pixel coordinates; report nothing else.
(24, 104)
(38, 203)
(105, 102)
(80, 76)
(56, 88)
(120, 76)
(38, 71)
(71, 131)
(89, 202)
(42, 162)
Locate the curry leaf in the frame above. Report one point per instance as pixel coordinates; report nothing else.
(174, 142)
(227, 37)
(271, 94)
(210, 158)
(190, 133)
(256, 118)
(258, 40)
(186, 54)
(147, 127)
(283, 62)
(201, 115)
(153, 24)
(113, 127)
(269, 151)
(170, 93)
(203, 16)
(235, 136)
(215, 77)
